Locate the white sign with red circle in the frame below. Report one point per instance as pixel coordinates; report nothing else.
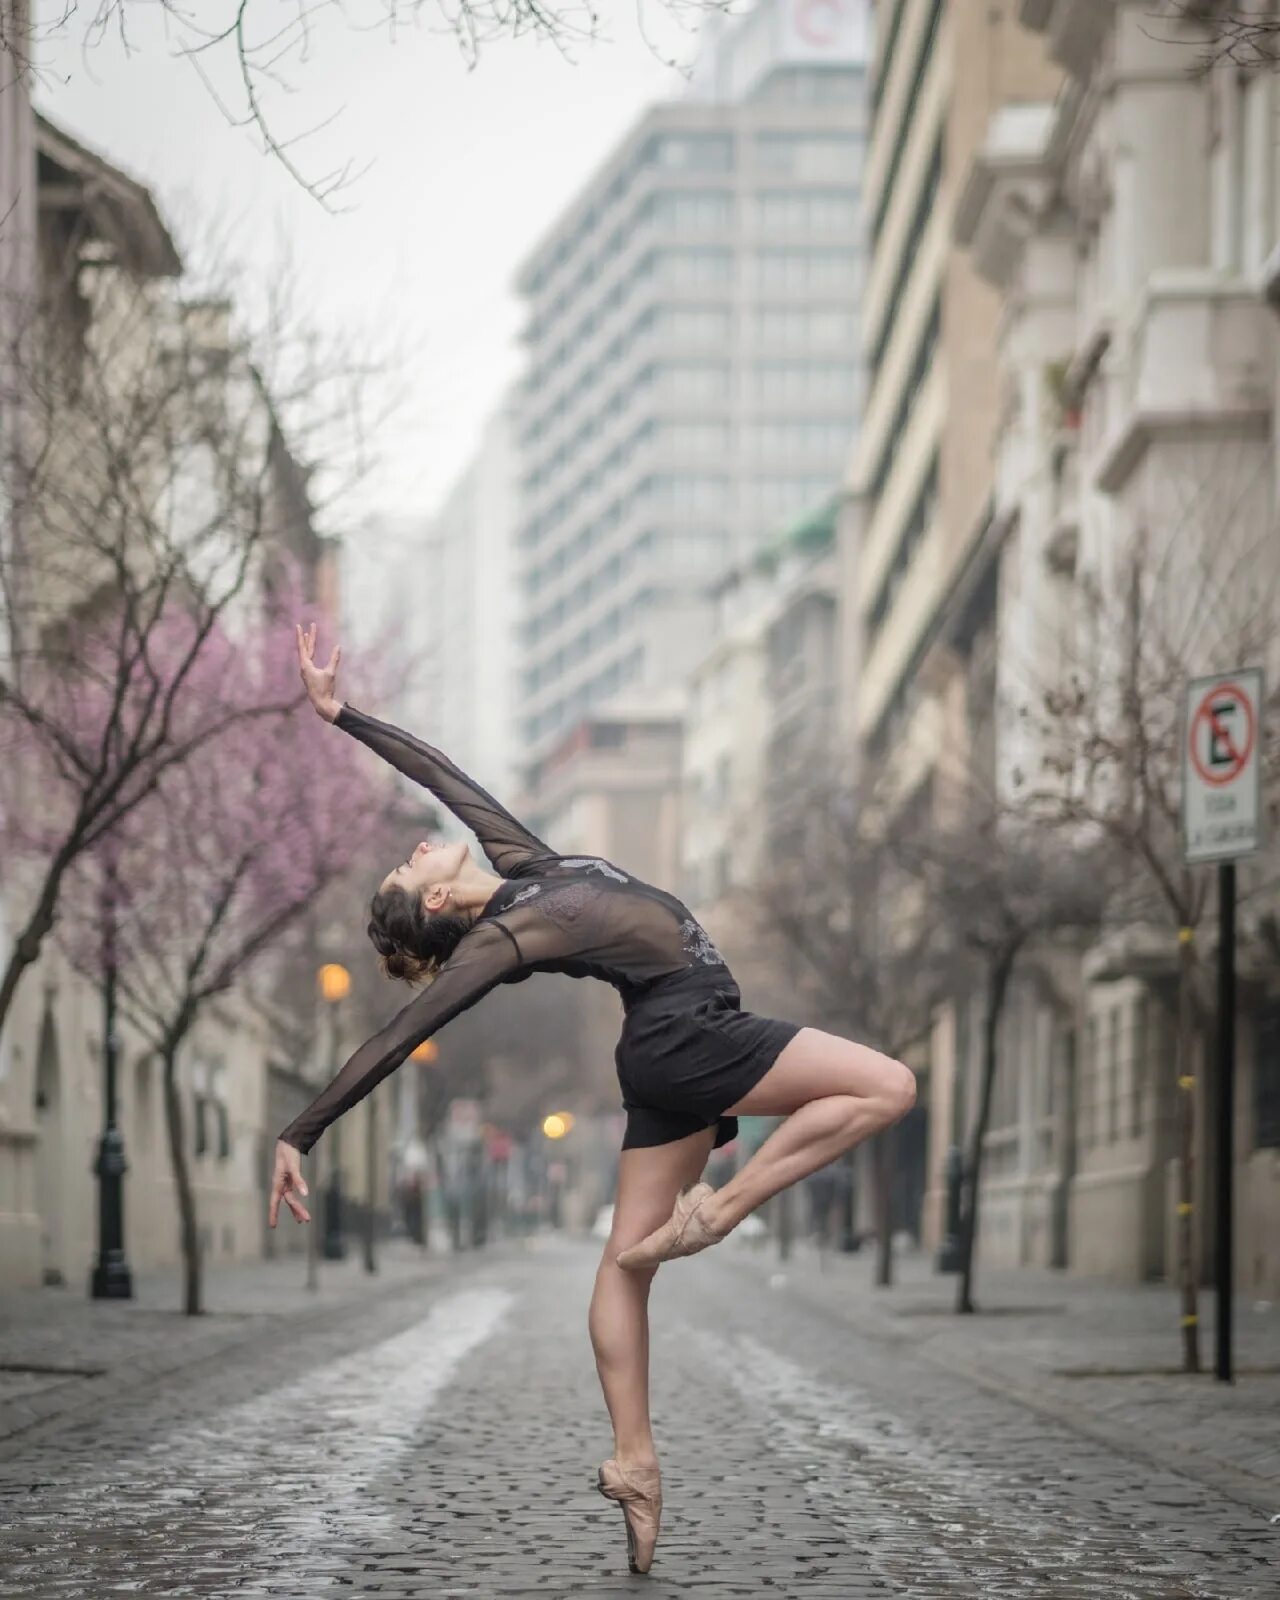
(1221, 744)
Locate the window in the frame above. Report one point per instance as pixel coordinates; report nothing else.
(919, 222)
(787, 327)
(783, 211)
(908, 118)
(693, 269)
(694, 439)
(798, 440)
(795, 382)
(690, 152)
(689, 493)
(807, 269)
(696, 325)
(691, 209)
(808, 155)
(694, 384)
(914, 530)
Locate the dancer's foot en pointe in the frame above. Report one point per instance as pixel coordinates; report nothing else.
(688, 1230)
(639, 1492)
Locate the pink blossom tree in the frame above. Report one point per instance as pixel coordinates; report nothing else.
(199, 883)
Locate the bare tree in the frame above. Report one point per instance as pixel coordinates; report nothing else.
(1195, 591)
(242, 836)
(249, 54)
(1002, 888)
(151, 498)
(1241, 36)
(872, 962)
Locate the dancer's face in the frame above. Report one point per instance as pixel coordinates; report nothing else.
(430, 872)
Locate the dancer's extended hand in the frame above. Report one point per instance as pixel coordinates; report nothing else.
(287, 1183)
(318, 681)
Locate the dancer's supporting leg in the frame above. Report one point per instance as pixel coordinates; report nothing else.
(649, 1179)
(833, 1094)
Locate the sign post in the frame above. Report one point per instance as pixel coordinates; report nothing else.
(1220, 813)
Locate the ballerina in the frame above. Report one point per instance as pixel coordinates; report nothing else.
(689, 1059)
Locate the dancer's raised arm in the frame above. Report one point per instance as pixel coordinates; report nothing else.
(509, 845)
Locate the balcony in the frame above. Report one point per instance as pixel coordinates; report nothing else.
(1196, 361)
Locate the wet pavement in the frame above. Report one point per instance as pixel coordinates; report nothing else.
(442, 1440)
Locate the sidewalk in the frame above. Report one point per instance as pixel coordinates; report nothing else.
(1101, 1357)
(62, 1352)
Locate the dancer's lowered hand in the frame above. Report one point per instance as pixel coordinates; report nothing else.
(287, 1183)
(318, 681)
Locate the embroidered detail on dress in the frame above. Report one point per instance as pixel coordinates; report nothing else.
(695, 941)
(526, 894)
(590, 864)
(565, 904)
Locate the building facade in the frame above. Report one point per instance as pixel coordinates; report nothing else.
(1128, 226)
(919, 473)
(691, 379)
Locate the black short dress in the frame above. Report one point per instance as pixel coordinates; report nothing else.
(687, 1051)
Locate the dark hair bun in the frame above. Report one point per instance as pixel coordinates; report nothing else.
(412, 943)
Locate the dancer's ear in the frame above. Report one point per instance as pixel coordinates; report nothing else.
(437, 897)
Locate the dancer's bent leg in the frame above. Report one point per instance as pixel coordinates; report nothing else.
(649, 1180)
(834, 1094)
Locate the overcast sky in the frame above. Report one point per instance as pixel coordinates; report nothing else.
(464, 170)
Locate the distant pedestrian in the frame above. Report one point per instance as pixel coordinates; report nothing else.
(689, 1059)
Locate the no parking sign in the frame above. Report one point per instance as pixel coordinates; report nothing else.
(1221, 765)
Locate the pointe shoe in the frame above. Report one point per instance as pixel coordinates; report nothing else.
(684, 1233)
(639, 1491)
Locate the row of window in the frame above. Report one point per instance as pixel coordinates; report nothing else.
(816, 211)
(603, 229)
(919, 520)
(702, 268)
(923, 59)
(595, 395)
(770, 499)
(780, 441)
(826, 330)
(623, 670)
(921, 365)
(920, 220)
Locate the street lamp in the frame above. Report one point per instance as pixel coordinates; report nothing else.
(111, 1278)
(334, 982)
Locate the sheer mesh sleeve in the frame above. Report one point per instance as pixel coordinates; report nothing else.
(509, 845)
(486, 956)
(495, 951)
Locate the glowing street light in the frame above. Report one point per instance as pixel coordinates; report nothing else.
(334, 981)
(554, 1126)
(428, 1050)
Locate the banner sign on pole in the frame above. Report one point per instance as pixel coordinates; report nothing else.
(1221, 766)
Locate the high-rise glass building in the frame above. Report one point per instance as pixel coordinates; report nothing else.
(693, 379)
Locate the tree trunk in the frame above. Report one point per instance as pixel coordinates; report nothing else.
(997, 986)
(882, 1167)
(1187, 1099)
(27, 946)
(182, 1185)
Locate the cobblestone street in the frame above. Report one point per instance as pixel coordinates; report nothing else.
(439, 1435)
